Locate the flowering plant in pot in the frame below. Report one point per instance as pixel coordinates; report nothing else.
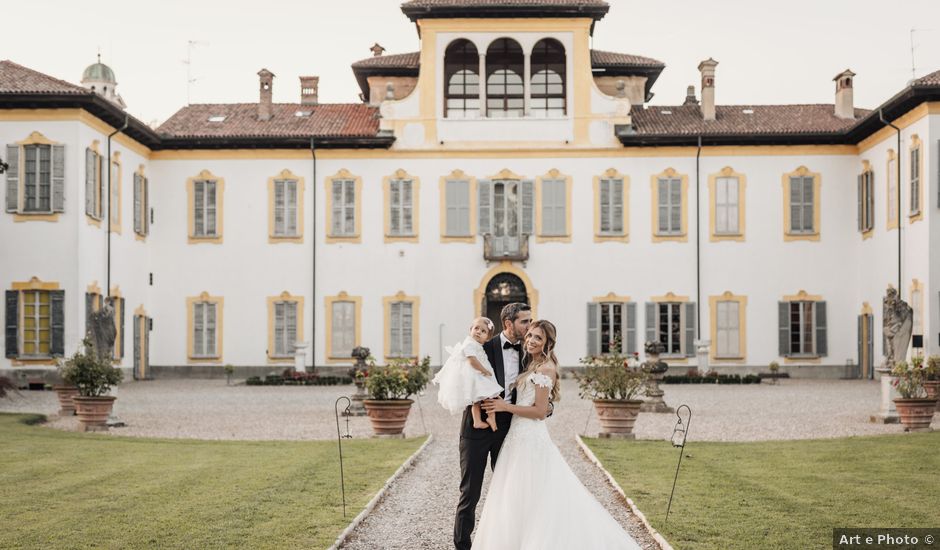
(614, 381)
(914, 407)
(389, 388)
(93, 377)
(932, 384)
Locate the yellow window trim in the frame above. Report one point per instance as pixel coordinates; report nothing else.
(554, 174)
(802, 296)
(357, 338)
(415, 302)
(116, 352)
(34, 284)
(219, 208)
(145, 205)
(610, 298)
(34, 138)
(219, 301)
(802, 171)
(505, 267)
(714, 236)
(683, 236)
(459, 175)
(916, 286)
(272, 301)
(299, 237)
(93, 220)
(713, 301)
(916, 144)
(116, 185)
(399, 174)
(611, 173)
(867, 169)
(329, 237)
(891, 219)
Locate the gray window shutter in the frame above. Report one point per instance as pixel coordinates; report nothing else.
(407, 329)
(138, 227)
(861, 344)
(89, 309)
(870, 222)
(136, 347)
(279, 322)
(90, 182)
(58, 178)
(528, 207)
(291, 326)
(458, 207)
(349, 207)
(663, 205)
(210, 329)
(593, 329)
(145, 360)
(394, 205)
(123, 325)
(485, 207)
(395, 328)
(616, 206)
(690, 323)
(407, 207)
(629, 327)
(145, 186)
(291, 206)
(58, 323)
(13, 178)
(783, 320)
(650, 322)
(99, 198)
(822, 346)
(279, 206)
(861, 198)
(11, 336)
(605, 211)
(199, 334)
(808, 205)
(211, 208)
(337, 208)
(199, 220)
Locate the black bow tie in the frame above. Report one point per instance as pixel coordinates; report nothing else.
(517, 347)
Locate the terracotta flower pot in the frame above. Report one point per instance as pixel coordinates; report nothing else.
(93, 412)
(617, 417)
(933, 391)
(915, 414)
(65, 395)
(388, 417)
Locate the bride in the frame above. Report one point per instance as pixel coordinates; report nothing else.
(535, 501)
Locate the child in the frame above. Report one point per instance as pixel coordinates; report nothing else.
(467, 377)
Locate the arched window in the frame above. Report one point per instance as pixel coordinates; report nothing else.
(505, 90)
(462, 80)
(548, 79)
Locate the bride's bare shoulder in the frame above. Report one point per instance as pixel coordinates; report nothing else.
(548, 369)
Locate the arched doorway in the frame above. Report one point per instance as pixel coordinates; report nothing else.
(504, 288)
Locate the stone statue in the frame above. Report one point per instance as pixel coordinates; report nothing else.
(898, 325)
(102, 331)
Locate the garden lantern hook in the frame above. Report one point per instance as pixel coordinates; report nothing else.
(339, 441)
(679, 435)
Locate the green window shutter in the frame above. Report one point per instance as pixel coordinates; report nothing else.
(485, 207)
(90, 161)
(593, 329)
(783, 320)
(11, 336)
(629, 328)
(690, 323)
(57, 348)
(58, 178)
(822, 345)
(528, 207)
(13, 178)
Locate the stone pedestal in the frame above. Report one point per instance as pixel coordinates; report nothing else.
(113, 420)
(701, 355)
(887, 413)
(356, 408)
(300, 356)
(654, 398)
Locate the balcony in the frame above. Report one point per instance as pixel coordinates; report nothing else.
(507, 248)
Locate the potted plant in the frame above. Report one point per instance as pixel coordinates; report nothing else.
(932, 384)
(93, 377)
(914, 408)
(613, 382)
(774, 371)
(389, 388)
(229, 369)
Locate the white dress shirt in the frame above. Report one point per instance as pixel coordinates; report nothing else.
(510, 366)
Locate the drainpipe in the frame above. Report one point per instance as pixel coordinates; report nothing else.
(313, 239)
(698, 244)
(108, 211)
(898, 130)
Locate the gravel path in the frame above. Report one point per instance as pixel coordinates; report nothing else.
(426, 495)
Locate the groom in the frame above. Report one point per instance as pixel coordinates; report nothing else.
(504, 353)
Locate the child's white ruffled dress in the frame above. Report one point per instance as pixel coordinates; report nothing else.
(461, 384)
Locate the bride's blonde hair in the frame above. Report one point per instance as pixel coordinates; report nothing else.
(548, 356)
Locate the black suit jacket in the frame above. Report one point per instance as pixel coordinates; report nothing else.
(494, 354)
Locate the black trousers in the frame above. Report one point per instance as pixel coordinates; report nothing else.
(475, 446)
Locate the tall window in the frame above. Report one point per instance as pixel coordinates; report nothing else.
(547, 86)
(727, 209)
(611, 206)
(461, 80)
(285, 208)
(344, 207)
(728, 329)
(285, 328)
(35, 322)
(803, 328)
(115, 204)
(205, 205)
(92, 183)
(37, 174)
(204, 329)
(892, 191)
(554, 207)
(670, 327)
(401, 329)
(915, 180)
(457, 205)
(343, 338)
(401, 207)
(609, 323)
(505, 89)
(866, 201)
(141, 205)
(802, 205)
(673, 324)
(669, 204)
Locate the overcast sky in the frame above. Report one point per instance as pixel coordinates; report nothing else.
(768, 52)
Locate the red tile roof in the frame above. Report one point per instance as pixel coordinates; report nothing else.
(17, 79)
(241, 121)
(418, 9)
(410, 60)
(612, 59)
(932, 79)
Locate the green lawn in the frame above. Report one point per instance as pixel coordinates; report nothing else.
(781, 494)
(71, 490)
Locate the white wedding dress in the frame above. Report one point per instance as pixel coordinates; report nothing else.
(535, 501)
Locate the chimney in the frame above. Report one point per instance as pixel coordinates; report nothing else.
(264, 104)
(309, 89)
(845, 103)
(707, 68)
(377, 50)
(690, 98)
